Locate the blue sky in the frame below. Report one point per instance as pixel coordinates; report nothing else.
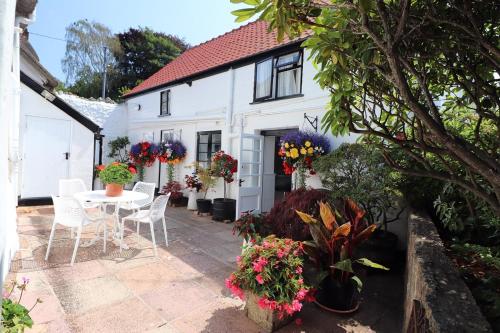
(194, 20)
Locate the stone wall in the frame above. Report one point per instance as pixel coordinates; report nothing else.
(437, 299)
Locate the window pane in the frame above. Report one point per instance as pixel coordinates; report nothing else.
(203, 148)
(288, 59)
(263, 79)
(204, 138)
(289, 82)
(202, 157)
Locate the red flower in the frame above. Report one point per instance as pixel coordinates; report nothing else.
(132, 170)
(100, 167)
(259, 279)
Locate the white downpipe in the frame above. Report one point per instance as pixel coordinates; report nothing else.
(229, 113)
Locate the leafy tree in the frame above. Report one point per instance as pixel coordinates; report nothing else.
(419, 77)
(144, 52)
(89, 52)
(358, 172)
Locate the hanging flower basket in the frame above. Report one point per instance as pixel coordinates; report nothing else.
(143, 154)
(298, 150)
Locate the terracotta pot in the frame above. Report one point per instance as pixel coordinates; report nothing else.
(114, 190)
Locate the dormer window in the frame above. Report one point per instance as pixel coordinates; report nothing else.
(165, 103)
(278, 77)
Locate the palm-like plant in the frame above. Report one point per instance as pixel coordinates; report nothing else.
(335, 239)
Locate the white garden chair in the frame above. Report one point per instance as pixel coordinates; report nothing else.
(135, 206)
(69, 212)
(155, 213)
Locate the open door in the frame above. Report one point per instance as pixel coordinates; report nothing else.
(250, 170)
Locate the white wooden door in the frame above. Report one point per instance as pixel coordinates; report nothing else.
(46, 150)
(250, 169)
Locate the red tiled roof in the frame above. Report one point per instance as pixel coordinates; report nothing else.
(250, 39)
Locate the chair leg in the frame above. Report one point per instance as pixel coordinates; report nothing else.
(52, 231)
(77, 242)
(165, 231)
(105, 234)
(153, 238)
(121, 234)
(138, 225)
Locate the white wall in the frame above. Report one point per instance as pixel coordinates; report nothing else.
(203, 106)
(82, 139)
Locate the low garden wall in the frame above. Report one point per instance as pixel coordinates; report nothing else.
(437, 299)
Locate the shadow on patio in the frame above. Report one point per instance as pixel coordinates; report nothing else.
(180, 291)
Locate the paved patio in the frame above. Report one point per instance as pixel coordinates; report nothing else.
(180, 291)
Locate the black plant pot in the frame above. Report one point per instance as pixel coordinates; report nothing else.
(382, 248)
(224, 209)
(337, 297)
(204, 206)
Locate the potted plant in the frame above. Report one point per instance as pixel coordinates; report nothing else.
(176, 196)
(224, 166)
(335, 238)
(194, 185)
(298, 150)
(204, 205)
(115, 176)
(118, 149)
(269, 276)
(143, 154)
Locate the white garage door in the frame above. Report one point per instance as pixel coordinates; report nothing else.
(46, 150)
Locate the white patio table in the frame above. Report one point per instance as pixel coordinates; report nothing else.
(104, 201)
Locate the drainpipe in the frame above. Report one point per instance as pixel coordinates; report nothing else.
(229, 113)
(14, 150)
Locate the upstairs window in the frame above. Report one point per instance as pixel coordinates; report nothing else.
(278, 77)
(165, 103)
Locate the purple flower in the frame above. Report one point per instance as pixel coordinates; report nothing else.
(25, 280)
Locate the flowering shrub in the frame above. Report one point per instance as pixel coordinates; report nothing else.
(15, 316)
(174, 188)
(116, 173)
(144, 153)
(171, 152)
(271, 269)
(299, 149)
(224, 166)
(193, 182)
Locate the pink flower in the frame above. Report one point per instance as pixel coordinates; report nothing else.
(298, 270)
(259, 264)
(5, 294)
(259, 279)
(25, 280)
(301, 294)
(301, 281)
(296, 306)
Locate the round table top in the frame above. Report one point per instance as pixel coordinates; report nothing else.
(100, 196)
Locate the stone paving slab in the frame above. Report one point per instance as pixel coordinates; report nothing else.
(180, 291)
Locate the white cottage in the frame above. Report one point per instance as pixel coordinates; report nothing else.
(239, 92)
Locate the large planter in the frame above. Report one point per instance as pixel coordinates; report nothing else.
(114, 190)
(266, 319)
(204, 206)
(178, 201)
(224, 209)
(337, 297)
(193, 196)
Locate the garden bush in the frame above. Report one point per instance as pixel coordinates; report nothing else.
(285, 223)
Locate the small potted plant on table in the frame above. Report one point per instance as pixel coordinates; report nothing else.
(194, 185)
(115, 176)
(204, 205)
(335, 239)
(269, 276)
(224, 166)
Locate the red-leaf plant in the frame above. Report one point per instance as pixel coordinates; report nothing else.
(271, 269)
(335, 239)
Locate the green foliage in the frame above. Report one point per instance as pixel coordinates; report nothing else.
(424, 84)
(144, 52)
(251, 225)
(118, 149)
(358, 171)
(15, 317)
(206, 178)
(116, 173)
